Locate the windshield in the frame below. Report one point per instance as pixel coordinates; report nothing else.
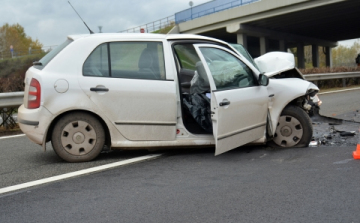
(50, 55)
(241, 50)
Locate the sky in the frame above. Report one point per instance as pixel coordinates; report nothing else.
(51, 21)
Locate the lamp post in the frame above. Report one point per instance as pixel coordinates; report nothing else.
(100, 27)
(191, 4)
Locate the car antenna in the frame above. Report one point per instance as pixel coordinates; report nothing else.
(91, 32)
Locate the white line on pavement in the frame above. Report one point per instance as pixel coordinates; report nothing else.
(77, 173)
(13, 136)
(329, 92)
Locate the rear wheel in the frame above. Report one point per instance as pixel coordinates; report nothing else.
(78, 137)
(294, 128)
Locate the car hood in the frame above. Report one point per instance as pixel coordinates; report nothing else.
(274, 63)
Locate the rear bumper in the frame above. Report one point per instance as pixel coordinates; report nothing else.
(34, 122)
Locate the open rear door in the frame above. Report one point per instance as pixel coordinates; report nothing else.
(238, 103)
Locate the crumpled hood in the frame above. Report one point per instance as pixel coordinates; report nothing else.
(275, 62)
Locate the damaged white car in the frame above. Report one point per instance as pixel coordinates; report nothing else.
(149, 91)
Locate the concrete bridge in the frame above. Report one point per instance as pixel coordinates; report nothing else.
(273, 25)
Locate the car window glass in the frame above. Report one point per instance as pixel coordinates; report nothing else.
(97, 64)
(187, 56)
(50, 55)
(227, 71)
(240, 48)
(139, 60)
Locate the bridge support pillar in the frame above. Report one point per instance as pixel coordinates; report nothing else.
(242, 39)
(315, 55)
(264, 45)
(300, 55)
(328, 56)
(282, 46)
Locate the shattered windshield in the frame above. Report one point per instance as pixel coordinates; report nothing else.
(241, 50)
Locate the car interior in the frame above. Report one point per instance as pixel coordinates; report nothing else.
(194, 88)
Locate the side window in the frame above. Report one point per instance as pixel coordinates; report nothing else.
(187, 56)
(134, 60)
(137, 60)
(97, 64)
(227, 71)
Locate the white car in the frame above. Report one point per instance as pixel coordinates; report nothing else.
(150, 91)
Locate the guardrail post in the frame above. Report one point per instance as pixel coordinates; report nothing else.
(7, 118)
(344, 82)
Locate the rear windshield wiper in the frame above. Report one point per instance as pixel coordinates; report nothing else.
(37, 63)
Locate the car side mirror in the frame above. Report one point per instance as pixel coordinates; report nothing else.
(263, 79)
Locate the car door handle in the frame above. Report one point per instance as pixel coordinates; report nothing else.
(99, 89)
(223, 103)
(272, 95)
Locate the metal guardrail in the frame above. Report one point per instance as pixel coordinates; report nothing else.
(9, 102)
(329, 76)
(12, 100)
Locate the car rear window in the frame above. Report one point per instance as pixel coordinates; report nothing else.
(50, 55)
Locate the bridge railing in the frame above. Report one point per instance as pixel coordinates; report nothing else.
(9, 102)
(152, 26)
(209, 8)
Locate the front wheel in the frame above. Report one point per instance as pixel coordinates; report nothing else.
(294, 128)
(78, 137)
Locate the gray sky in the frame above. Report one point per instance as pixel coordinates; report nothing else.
(50, 21)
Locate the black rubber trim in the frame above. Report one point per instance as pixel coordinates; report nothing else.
(241, 131)
(27, 122)
(99, 89)
(224, 103)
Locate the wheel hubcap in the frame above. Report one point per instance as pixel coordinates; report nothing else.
(78, 138)
(288, 132)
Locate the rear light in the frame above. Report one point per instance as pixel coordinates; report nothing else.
(34, 96)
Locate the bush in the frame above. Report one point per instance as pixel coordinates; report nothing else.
(12, 72)
(334, 83)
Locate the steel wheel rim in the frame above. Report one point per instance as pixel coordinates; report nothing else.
(78, 138)
(289, 131)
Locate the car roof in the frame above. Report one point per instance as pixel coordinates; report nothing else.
(145, 36)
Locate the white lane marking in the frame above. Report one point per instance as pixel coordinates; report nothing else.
(329, 92)
(77, 173)
(13, 136)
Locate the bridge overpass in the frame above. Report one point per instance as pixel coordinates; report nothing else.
(270, 25)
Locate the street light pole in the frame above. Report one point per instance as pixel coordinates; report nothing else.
(191, 4)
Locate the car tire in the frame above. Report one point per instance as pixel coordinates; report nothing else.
(78, 137)
(294, 128)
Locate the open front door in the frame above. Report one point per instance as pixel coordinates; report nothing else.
(238, 103)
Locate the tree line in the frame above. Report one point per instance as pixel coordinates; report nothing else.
(14, 37)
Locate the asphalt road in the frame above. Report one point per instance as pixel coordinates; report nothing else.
(249, 184)
(245, 185)
(22, 161)
(337, 104)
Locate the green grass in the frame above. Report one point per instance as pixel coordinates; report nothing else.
(164, 30)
